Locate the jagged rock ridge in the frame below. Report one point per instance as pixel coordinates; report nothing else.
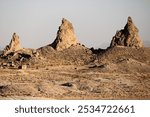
(128, 36)
(14, 45)
(65, 36)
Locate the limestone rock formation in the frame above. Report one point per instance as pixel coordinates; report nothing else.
(14, 45)
(65, 36)
(128, 36)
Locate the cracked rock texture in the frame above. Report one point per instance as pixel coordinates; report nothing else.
(14, 45)
(128, 36)
(65, 36)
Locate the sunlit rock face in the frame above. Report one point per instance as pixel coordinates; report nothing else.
(128, 36)
(65, 36)
(14, 45)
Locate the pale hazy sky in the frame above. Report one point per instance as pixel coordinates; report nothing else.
(95, 21)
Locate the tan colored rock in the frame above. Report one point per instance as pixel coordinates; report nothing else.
(65, 36)
(14, 45)
(128, 36)
(24, 67)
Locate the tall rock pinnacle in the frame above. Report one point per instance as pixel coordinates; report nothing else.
(128, 36)
(14, 44)
(65, 36)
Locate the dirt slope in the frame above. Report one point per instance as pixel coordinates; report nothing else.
(76, 73)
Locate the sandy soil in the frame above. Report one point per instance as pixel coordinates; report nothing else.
(73, 82)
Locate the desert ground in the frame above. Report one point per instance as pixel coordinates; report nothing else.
(118, 78)
(72, 82)
(67, 69)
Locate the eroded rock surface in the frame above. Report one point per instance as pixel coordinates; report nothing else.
(128, 36)
(65, 36)
(14, 45)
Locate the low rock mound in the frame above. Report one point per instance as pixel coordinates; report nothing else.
(138, 54)
(128, 36)
(18, 58)
(74, 55)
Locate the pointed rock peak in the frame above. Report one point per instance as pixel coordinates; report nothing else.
(15, 38)
(14, 44)
(128, 36)
(14, 35)
(65, 36)
(64, 20)
(66, 24)
(130, 26)
(129, 20)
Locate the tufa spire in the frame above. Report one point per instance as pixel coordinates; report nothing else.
(65, 36)
(128, 36)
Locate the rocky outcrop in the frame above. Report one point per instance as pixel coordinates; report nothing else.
(128, 36)
(14, 45)
(65, 36)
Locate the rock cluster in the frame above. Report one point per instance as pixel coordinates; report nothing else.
(14, 56)
(13, 46)
(65, 36)
(128, 36)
